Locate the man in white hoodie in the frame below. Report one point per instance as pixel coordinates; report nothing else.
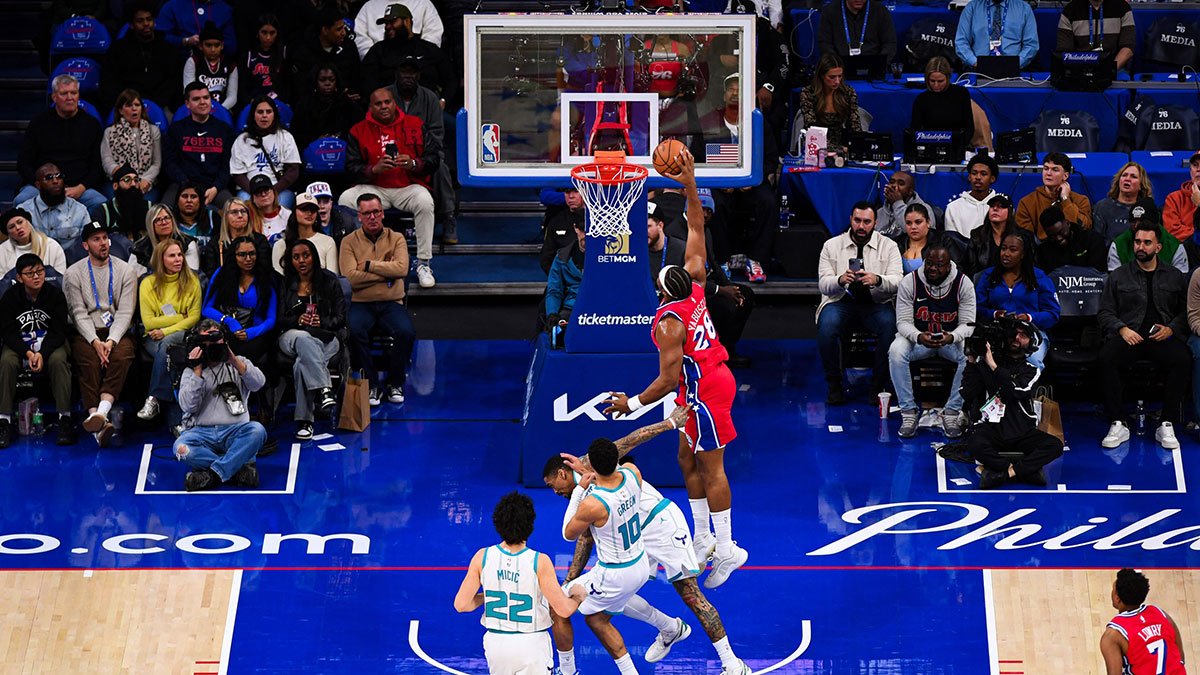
(935, 305)
(970, 210)
(368, 29)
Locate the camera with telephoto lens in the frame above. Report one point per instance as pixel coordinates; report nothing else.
(999, 333)
(213, 350)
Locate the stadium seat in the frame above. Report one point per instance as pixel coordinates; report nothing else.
(930, 37)
(285, 116)
(1075, 340)
(1170, 45)
(153, 113)
(1127, 124)
(80, 35)
(1067, 131)
(1167, 127)
(217, 109)
(325, 156)
(81, 68)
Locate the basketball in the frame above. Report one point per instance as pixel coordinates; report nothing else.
(664, 156)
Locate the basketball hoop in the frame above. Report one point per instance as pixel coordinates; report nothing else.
(609, 188)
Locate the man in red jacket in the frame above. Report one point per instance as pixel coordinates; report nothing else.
(390, 156)
(1181, 204)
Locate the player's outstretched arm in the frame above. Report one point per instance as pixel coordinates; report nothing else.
(1178, 638)
(583, 551)
(1111, 649)
(677, 419)
(590, 511)
(694, 259)
(670, 334)
(469, 598)
(548, 582)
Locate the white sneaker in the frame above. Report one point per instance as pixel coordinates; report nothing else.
(149, 409)
(662, 644)
(704, 548)
(425, 276)
(1166, 436)
(723, 567)
(375, 397)
(1118, 433)
(740, 669)
(395, 394)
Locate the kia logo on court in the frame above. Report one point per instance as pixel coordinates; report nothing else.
(593, 408)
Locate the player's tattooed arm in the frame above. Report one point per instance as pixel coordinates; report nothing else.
(706, 614)
(583, 551)
(677, 420)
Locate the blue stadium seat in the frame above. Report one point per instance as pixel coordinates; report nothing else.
(81, 68)
(325, 156)
(1067, 131)
(80, 35)
(285, 115)
(218, 110)
(153, 113)
(1167, 127)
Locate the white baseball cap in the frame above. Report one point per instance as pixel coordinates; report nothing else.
(320, 189)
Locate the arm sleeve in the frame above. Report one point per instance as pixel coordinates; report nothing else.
(887, 31)
(1172, 213)
(918, 113)
(189, 72)
(1193, 303)
(904, 309)
(966, 311)
(1114, 258)
(827, 273)
(191, 391)
(1048, 309)
(572, 507)
(555, 288)
(156, 159)
(127, 294)
(231, 90)
(1128, 36)
(894, 271)
(356, 164)
(1029, 37)
(56, 336)
(222, 179)
(83, 322)
(963, 36)
(552, 197)
(209, 310)
(825, 30)
(12, 330)
(1079, 209)
(1064, 37)
(1107, 317)
(171, 155)
(106, 158)
(268, 323)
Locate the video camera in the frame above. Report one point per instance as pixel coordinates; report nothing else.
(999, 333)
(213, 349)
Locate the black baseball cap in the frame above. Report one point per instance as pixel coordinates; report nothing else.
(90, 229)
(1000, 200)
(259, 183)
(1144, 209)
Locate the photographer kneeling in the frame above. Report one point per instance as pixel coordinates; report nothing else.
(219, 441)
(998, 390)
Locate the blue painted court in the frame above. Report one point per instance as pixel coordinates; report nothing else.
(868, 554)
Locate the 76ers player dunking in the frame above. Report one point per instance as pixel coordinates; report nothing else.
(691, 358)
(1142, 639)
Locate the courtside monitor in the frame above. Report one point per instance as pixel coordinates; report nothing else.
(1082, 71)
(934, 147)
(545, 92)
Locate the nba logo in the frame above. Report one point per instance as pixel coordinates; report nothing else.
(490, 137)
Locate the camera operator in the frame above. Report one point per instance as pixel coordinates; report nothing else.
(998, 391)
(219, 441)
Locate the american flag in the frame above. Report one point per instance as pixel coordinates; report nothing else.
(721, 153)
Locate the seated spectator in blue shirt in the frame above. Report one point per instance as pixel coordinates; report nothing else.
(241, 297)
(181, 20)
(566, 274)
(1018, 288)
(996, 27)
(52, 212)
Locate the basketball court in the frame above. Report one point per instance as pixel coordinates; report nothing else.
(868, 553)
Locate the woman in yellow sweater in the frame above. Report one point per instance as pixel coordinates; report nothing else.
(169, 300)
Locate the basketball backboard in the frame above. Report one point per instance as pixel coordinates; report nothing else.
(544, 91)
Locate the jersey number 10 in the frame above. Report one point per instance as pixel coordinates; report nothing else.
(497, 602)
(631, 531)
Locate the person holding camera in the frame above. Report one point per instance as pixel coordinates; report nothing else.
(1143, 314)
(312, 318)
(935, 311)
(997, 391)
(101, 293)
(219, 442)
(858, 273)
(34, 316)
(1016, 287)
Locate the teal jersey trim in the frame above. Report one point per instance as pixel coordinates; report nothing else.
(619, 565)
(499, 548)
(623, 474)
(659, 508)
(514, 632)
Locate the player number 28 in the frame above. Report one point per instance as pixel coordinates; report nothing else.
(703, 335)
(497, 602)
(630, 532)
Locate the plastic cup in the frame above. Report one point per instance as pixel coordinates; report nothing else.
(885, 403)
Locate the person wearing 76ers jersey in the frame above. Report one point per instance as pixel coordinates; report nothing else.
(1142, 639)
(691, 358)
(518, 584)
(608, 510)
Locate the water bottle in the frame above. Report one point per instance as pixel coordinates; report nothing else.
(39, 427)
(1141, 417)
(785, 213)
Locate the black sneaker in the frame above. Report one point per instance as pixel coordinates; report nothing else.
(1037, 478)
(304, 431)
(268, 448)
(5, 433)
(205, 479)
(67, 433)
(989, 479)
(246, 477)
(325, 400)
(104, 436)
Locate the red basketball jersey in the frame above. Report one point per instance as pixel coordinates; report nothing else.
(702, 351)
(1152, 647)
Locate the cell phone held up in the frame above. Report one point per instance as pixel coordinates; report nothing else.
(390, 150)
(856, 264)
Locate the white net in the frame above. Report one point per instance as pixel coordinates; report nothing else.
(609, 191)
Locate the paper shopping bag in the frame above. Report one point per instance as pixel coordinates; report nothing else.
(356, 404)
(1049, 417)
